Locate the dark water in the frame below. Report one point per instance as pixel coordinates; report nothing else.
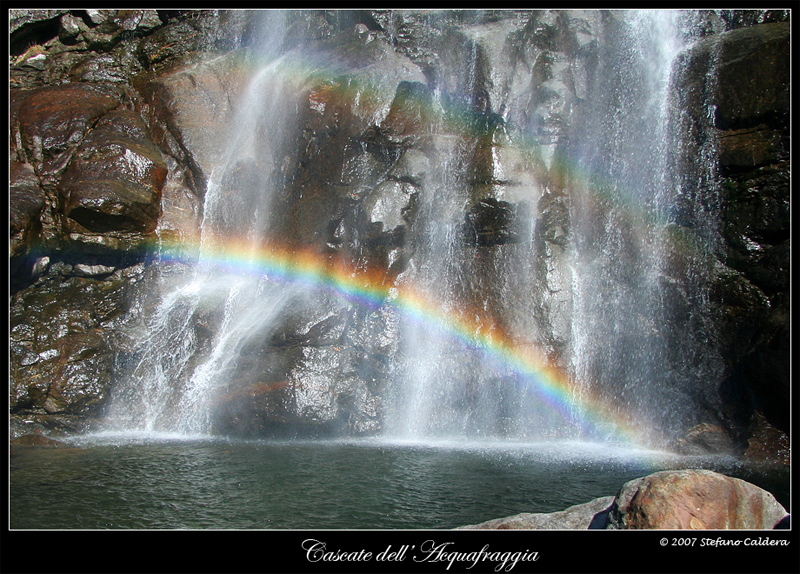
(204, 484)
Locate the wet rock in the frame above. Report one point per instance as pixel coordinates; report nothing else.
(767, 444)
(693, 500)
(309, 379)
(387, 204)
(191, 111)
(38, 440)
(554, 217)
(26, 202)
(181, 209)
(62, 344)
(192, 32)
(351, 137)
(749, 133)
(114, 68)
(706, 438)
(409, 117)
(107, 28)
(396, 85)
(114, 181)
(56, 426)
(82, 270)
(254, 410)
(491, 222)
(579, 517)
(412, 167)
(52, 122)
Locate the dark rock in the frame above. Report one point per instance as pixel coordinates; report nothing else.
(748, 148)
(491, 222)
(753, 80)
(749, 134)
(63, 361)
(767, 445)
(751, 85)
(26, 202)
(694, 500)
(114, 181)
(53, 121)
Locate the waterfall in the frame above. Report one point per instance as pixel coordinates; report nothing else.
(206, 316)
(621, 218)
(620, 193)
(539, 320)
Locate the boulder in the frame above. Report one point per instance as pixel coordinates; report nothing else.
(694, 500)
(579, 517)
(676, 500)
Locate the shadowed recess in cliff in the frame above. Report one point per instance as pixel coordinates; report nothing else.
(374, 289)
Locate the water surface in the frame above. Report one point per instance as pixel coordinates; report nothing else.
(115, 482)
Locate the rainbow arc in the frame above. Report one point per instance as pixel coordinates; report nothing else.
(375, 288)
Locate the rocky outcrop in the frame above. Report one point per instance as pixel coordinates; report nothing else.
(63, 362)
(743, 75)
(114, 181)
(26, 202)
(670, 500)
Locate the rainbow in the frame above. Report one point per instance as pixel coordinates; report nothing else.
(375, 288)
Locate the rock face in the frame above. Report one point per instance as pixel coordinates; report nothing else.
(749, 135)
(669, 500)
(118, 118)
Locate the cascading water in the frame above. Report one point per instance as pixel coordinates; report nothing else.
(621, 191)
(622, 217)
(207, 316)
(589, 294)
